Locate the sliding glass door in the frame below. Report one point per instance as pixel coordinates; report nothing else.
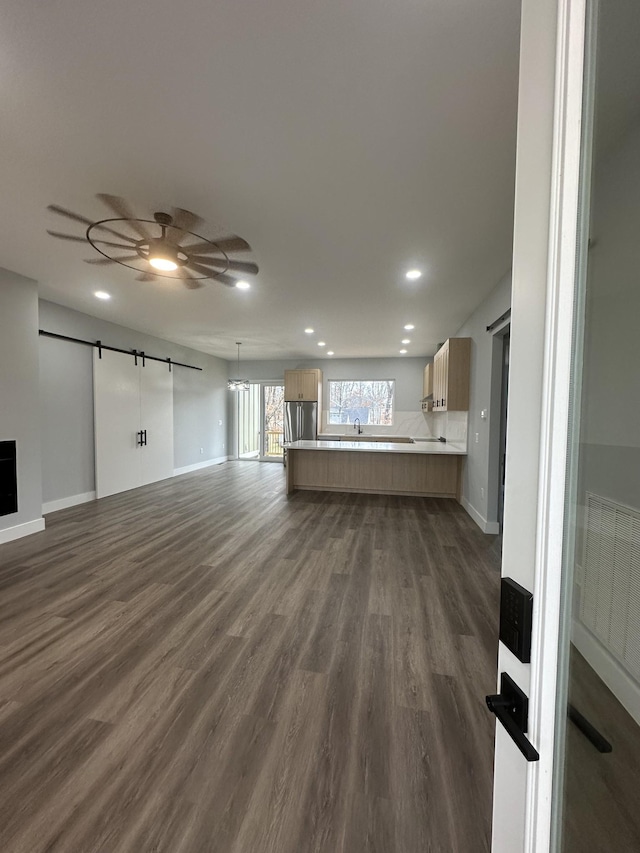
(261, 422)
(273, 420)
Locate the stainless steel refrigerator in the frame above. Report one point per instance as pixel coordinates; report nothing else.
(300, 421)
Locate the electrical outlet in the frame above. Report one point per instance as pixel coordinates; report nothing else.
(477, 437)
(483, 414)
(219, 423)
(482, 491)
(223, 446)
(202, 450)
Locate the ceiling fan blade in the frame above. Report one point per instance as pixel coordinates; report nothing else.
(185, 220)
(210, 273)
(228, 244)
(146, 276)
(237, 266)
(105, 261)
(84, 240)
(123, 211)
(68, 237)
(54, 208)
(189, 281)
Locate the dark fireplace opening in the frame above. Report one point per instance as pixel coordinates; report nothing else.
(8, 478)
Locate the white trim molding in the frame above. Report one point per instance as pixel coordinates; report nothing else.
(484, 525)
(187, 469)
(545, 725)
(65, 503)
(20, 530)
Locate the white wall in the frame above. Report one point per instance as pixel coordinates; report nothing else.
(610, 436)
(479, 482)
(610, 440)
(19, 419)
(66, 400)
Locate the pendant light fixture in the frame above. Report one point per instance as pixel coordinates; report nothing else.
(238, 384)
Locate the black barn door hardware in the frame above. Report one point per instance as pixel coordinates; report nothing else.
(511, 707)
(588, 730)
(100, 346)
(141, 440)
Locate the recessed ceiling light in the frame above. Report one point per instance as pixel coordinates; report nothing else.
(321, 344)
(309, 331)
(412, 275)
(409, 326)
(102, 294)
(243, 285)
(330, 352)
(403, 351)
(406, 341)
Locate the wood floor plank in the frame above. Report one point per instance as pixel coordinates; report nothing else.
(205, 665)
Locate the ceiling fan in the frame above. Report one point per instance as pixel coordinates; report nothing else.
(166, 246)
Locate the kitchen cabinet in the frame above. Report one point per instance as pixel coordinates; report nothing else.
(302, 385)
(451, 369)
(427, 388)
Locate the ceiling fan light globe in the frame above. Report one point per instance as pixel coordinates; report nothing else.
(164, 264)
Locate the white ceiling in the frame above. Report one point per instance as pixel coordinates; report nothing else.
(346, 140)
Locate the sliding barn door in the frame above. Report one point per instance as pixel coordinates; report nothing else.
(156, 419)
(133, 407)
(116, 395)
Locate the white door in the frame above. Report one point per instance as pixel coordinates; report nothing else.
(116, 395)
(156, 421)
(133, 414)
(572, 495)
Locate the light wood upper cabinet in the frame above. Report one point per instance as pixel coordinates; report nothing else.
(451, 368)
(300, 385)
(427, 388)
(427, 381)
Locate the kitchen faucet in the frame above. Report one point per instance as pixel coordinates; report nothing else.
(358, 427)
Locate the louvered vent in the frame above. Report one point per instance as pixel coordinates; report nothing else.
(610, 600)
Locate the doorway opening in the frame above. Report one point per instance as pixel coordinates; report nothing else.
(498, 425)
(261, 422)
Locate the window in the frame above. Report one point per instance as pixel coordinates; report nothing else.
(369, 400)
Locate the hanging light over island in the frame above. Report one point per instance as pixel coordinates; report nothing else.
(238, 384)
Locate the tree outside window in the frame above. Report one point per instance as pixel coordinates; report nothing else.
(369, 400)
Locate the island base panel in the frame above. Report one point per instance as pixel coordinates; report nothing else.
(428, 475)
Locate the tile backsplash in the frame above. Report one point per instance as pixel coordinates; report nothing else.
(452, 425)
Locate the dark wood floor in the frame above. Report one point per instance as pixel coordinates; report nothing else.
(600, 808)
(206, 665)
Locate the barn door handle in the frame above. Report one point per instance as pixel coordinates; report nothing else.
(511, 707)
(139, 441)
(145, 437)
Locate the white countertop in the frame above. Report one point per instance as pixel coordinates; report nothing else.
(450, 448)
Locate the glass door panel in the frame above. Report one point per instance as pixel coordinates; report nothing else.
(273, 421)
(249, 422)
(597, 797)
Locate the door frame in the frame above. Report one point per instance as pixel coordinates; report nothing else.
(548, 166)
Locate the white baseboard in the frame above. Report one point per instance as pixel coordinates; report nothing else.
(20, 530)
(187, 469)
(65, 503)
(622, 685)
(483, 524)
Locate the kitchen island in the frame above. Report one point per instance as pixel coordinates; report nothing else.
(423, 468)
